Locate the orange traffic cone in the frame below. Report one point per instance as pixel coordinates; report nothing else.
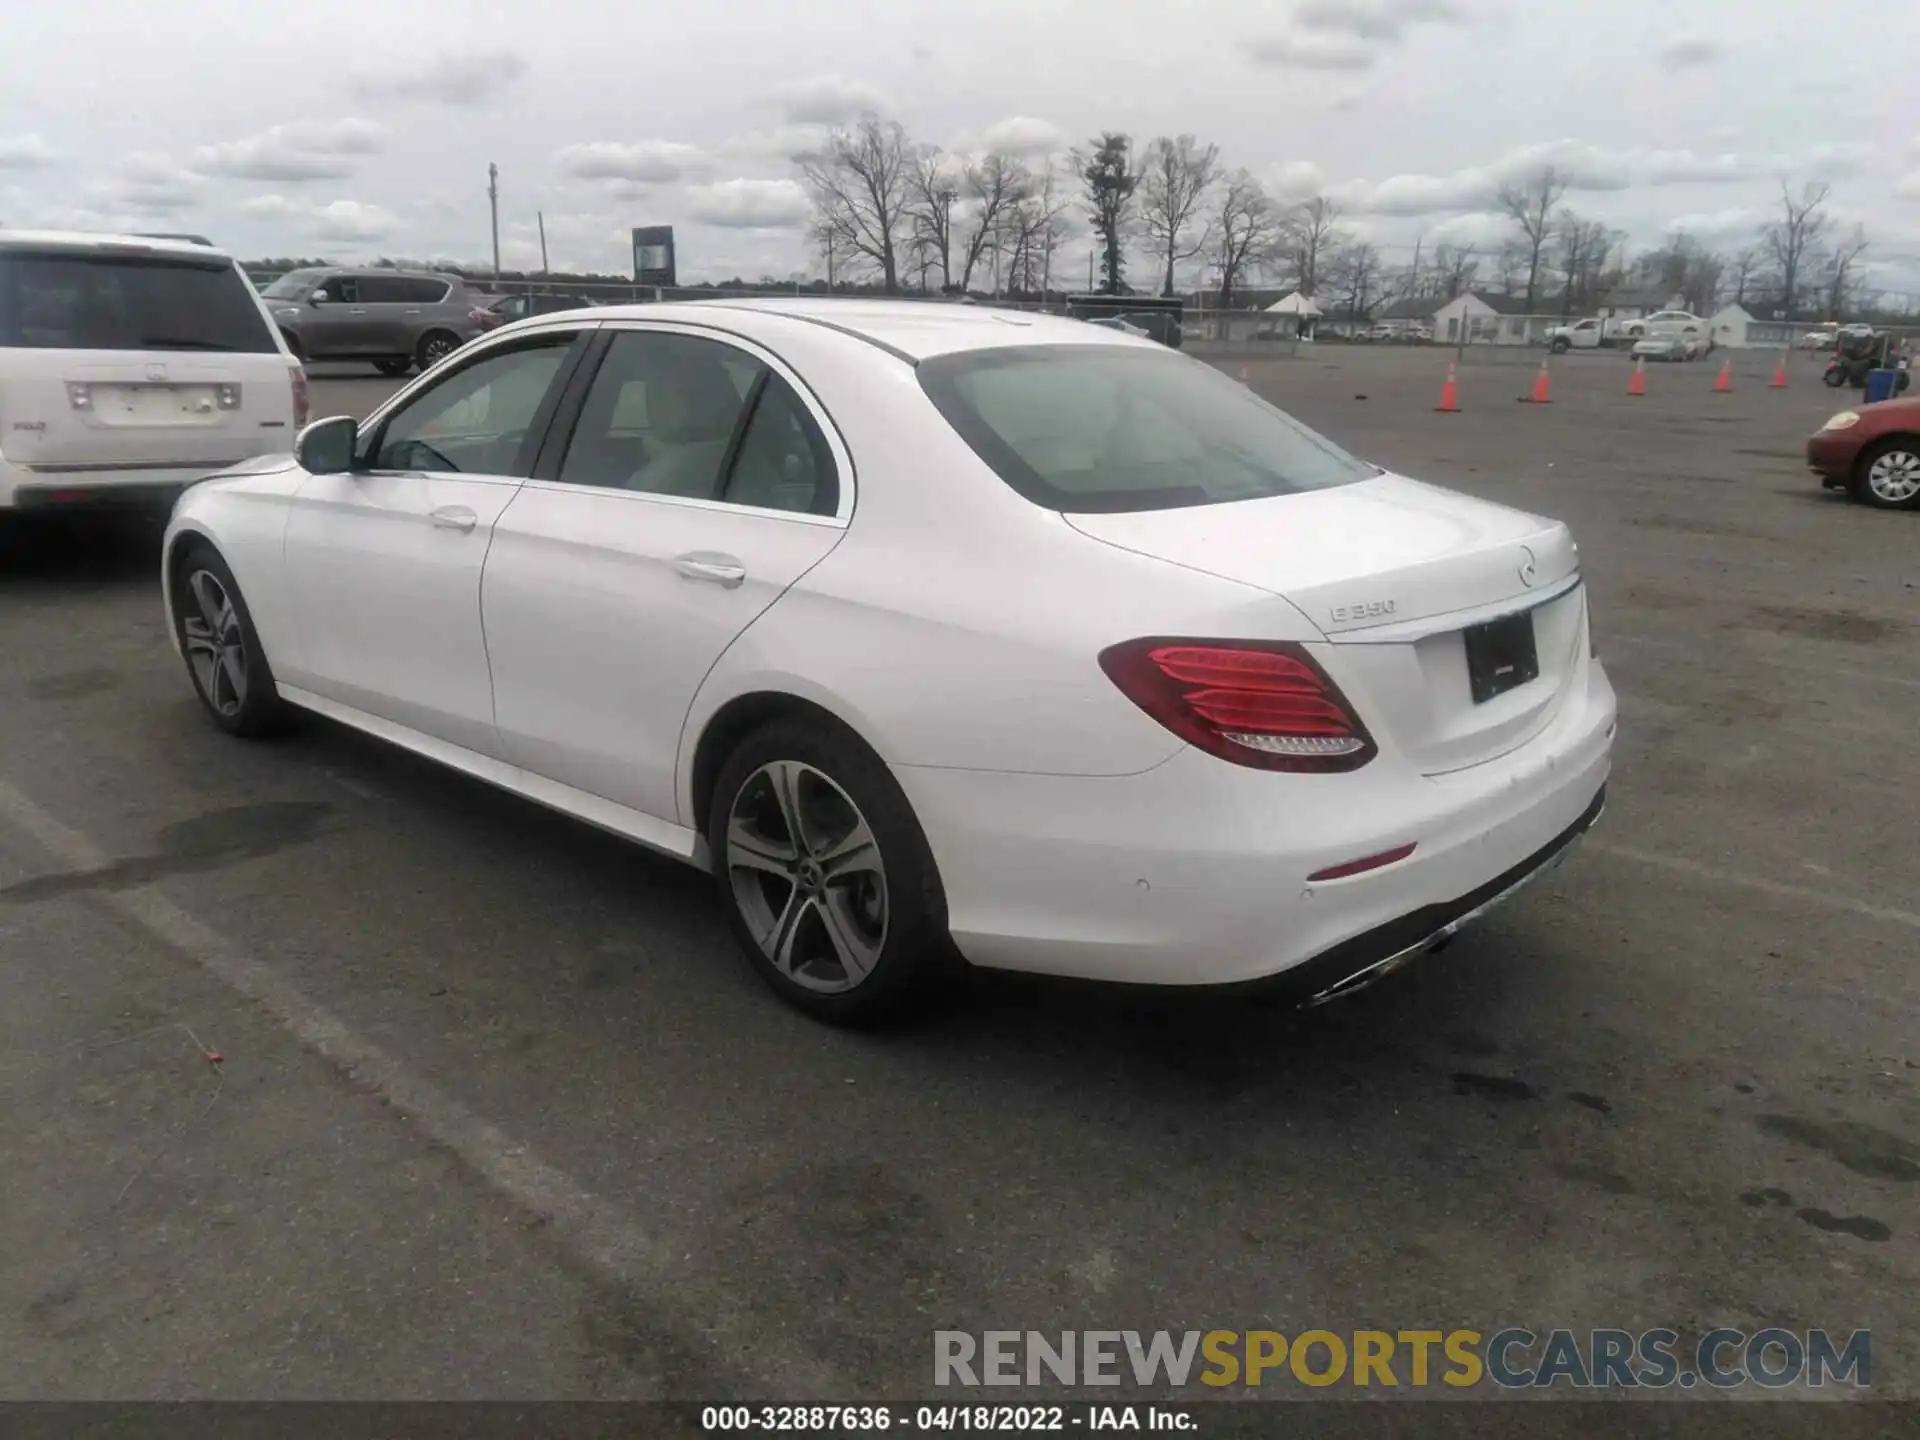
(1724, 385)
(1780, 373)
(1638, 384)
(1449, 394)
(1542, 388)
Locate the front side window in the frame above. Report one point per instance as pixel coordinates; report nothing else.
(1089, 429)
(82, 301)
(660, 415)
(339, 290)
(293, 285)
(476, 420)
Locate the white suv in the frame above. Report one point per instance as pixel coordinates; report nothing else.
(132, 366)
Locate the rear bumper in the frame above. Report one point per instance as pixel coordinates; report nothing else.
(54, 487)
(1197, 872)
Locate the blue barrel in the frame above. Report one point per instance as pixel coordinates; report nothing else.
(1880, 385)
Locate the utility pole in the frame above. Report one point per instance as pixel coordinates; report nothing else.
(493, 203)
(542, 217)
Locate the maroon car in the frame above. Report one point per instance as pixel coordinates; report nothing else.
(1872, 452)
(519, 307)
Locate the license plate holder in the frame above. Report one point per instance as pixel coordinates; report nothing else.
(1501, 655)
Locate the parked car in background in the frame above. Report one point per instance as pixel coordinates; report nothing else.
(397, 319)
(130, 366)
(493, 315)
(1681, 323)
(1872, 452)
(1820, 338)
(725, 600)
(1581, 335)
(1668, 347)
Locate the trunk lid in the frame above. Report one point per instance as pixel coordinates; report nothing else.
(1396, 574)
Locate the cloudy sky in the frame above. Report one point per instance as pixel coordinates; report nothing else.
(365, 128)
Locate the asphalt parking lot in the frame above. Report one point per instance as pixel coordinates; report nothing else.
(499, 1112)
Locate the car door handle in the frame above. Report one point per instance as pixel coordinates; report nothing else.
(455, 517)
(721, 570)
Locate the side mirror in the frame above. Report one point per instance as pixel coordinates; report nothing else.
(318, 297)
(326, 446)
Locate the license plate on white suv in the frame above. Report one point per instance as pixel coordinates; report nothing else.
(156, 404)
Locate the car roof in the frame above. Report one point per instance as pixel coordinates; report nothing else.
(87, 240)
(912, 330)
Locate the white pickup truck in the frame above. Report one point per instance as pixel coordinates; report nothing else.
(1592, 333)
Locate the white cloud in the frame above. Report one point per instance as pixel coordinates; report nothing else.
(466, 77)
(1024, 136)
(781, 146)
(1347, 35)
(1295, 180)
(1476, 230)
(338, 220)
(1719, 226)
(649, 162)
(1373, 19)
(1908, 187)
(1691, 52)
(301, 150)
(829, 100)
(147, 184)
(25, 152)
(749, 204)
(1313, 51)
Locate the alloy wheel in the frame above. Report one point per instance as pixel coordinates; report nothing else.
(216, 648)
(807, 875)
(434, 349)
(1895, 476)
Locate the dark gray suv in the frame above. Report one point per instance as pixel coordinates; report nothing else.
(395, 318)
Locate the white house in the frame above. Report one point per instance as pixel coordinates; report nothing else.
(1730, 326)
(1483, 314)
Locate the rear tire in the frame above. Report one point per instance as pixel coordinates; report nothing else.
(434, 347)
(224, 658)
(828, 881)
(1887, 474)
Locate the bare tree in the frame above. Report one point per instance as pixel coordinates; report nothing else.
(1792, 238)
(1355, 277)
(1454, 269)
(1034, 225)
(1111, 179)
(933, 185)
(995, 184)
(1510, 267)
(1743, 268)
(1530, 206)
(1313, 233)
(1176, 175)
(1581, 254)
(859, 183)
(1841, 272)
(1245, 228)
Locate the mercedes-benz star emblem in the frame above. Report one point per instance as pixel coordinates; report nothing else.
(1528, 568)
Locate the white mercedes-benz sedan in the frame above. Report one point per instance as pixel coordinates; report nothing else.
(936, 633)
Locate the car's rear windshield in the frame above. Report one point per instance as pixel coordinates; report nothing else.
(77, 301)
(1088, 429)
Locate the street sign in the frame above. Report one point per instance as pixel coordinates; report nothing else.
(653, 255)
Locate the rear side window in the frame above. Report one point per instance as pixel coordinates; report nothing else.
(112, 302)
(1088, 429)
(416, 291)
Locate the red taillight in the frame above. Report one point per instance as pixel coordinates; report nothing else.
(302, 406)
(1258, 703)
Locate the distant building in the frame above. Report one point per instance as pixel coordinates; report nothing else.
(1733, 326)
(1483, 316)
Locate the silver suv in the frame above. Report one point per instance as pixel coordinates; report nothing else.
(396, 318)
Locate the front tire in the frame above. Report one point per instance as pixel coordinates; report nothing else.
(830, 887)
(224, 658)
(1887, 474)
(393, 368)
(1560, 347)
